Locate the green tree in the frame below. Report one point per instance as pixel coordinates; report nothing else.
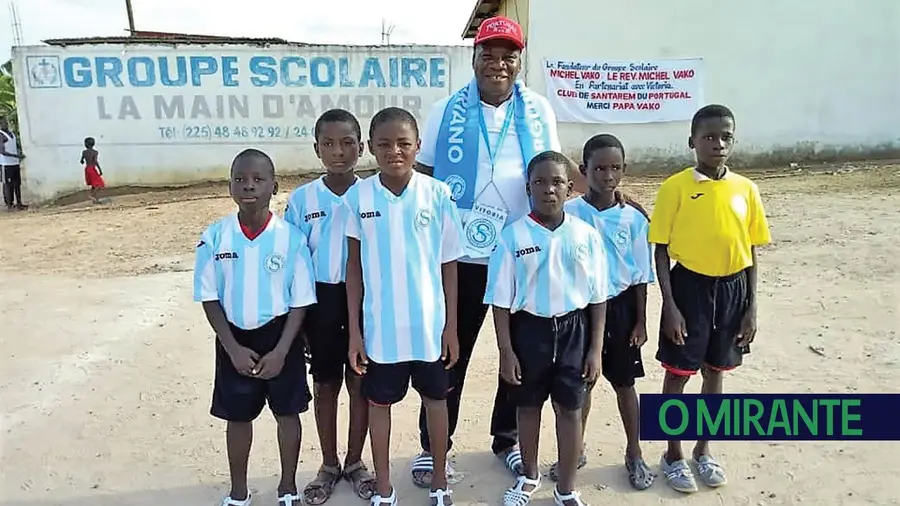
(8, 97)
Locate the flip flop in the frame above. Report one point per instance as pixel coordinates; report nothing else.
(512, 459)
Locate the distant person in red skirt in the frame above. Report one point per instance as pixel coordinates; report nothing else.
(93, 175)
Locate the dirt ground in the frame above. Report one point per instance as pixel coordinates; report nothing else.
(107, 363)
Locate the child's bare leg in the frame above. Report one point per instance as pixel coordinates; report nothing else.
(529, 421)
(569, 442)
(359, 418)
(380, 439)
(238, 439)
(289, 433)
(438, 430)
(674, 384)
(629, 409)
(712, 384)
(326, 404)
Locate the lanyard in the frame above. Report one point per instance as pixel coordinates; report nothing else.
(492, 153)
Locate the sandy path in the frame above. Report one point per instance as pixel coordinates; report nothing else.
(105, 379)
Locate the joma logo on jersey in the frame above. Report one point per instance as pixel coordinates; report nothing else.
(313, 216)
(228, 255)
(527, 251)
(370, 214)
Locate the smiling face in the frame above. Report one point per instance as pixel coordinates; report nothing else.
(548, 187)
(338, 146)
(394, 145)
(252, 183)
(496, 64)
(712, 141)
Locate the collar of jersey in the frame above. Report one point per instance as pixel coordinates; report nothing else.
(237, 225)
(535, 224)
(331, 194)
(700, 177)
(391, 196)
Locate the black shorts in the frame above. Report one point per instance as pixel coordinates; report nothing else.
(327, 333)
(239, 398)
(712, 309)
(387, 384)
(551, 353)
(622, 362)
(12, 175)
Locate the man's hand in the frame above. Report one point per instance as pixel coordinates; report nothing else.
(593, 364)
(674, 326)
(357, 355)
(449, 348)
(748, 327)
(639, 334)
(244, 360)
(510, 370)
(270, 365)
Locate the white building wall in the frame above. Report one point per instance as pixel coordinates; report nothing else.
(176, 114)
(806, 80)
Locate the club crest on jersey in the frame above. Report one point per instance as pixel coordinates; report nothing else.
(314, 215)
(622, 237)
(273, 262)
(581, 252)
(480, 232)
(457, 186)
(424, 218)
(227, 255)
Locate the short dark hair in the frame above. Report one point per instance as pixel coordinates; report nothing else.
(600, 141)
(337, 116)
(548, 156)
(89, 142)
(393, 114)
(709, 112)
(250, 153)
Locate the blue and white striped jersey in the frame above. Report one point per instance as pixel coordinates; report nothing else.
(547, 272)
(404, 241)
(254, 280)
(624, 231)
(322, 217)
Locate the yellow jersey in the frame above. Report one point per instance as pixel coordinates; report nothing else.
(709, 225)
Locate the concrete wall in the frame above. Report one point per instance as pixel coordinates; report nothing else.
(806, 83)
(165, 114)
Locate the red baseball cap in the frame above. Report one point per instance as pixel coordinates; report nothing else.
(500, 28)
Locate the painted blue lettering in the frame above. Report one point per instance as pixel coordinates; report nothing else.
(264, 70)
(344, 73)
(315, 75)
(286, 73)
(181, 67)
(134, 77)
(202, 66)
(414, 68)
(437, 72)
(394, 72)
(108, 68)
(77, 72)
(372, 72)
(229, 70)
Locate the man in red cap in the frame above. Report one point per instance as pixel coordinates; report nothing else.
(479, 141)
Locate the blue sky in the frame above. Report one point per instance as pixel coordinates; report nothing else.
(319, 21)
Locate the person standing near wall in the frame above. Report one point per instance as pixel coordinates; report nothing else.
(479, 141)
(9, 163)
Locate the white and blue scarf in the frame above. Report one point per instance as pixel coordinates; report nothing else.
(456, 160)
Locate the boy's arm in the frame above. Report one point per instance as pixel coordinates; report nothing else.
(206, 291)
(354, 286)
(661, 257)
(303, 295)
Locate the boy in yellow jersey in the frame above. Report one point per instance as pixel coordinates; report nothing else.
(709, 221)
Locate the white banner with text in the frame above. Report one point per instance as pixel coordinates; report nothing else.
(624, 91)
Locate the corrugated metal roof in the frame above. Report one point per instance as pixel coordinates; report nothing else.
(483, 10)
